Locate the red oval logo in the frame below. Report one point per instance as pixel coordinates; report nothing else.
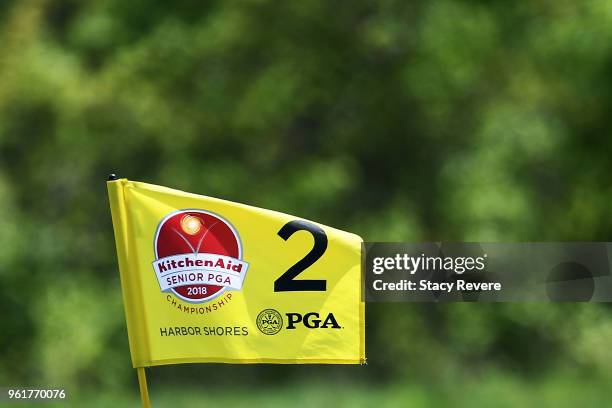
(198, 255)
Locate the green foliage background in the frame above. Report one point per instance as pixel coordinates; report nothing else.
(408, 121)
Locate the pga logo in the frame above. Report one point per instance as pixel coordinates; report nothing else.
(312, 321)
(270, 321)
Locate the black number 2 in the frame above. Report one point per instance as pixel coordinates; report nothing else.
(286, 282)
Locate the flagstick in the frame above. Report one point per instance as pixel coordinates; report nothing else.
(142, 383)
(142, 376)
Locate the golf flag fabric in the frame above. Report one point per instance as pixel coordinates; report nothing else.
(209, 280)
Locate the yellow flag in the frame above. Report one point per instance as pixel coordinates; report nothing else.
(209, 280)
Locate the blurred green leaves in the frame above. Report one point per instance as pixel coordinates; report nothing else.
(437, 120)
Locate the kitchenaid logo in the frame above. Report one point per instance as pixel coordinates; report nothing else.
(198, 256)
(202, 269)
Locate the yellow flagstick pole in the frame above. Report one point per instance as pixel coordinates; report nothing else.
(142, 376)
(142, 383)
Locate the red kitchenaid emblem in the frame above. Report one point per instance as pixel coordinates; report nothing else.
(198, 256)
